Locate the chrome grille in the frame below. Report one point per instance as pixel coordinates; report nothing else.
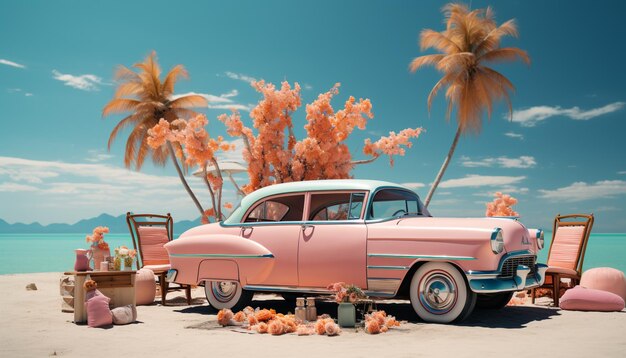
(509, 266)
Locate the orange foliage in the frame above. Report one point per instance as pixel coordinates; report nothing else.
(274, 156)
(501, 206)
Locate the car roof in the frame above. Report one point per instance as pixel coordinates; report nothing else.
(311, 185)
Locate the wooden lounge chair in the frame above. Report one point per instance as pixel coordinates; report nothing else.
(567, 252)
(150, 232)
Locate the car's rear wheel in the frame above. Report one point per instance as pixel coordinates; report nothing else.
(226, 294)
(440, 294)
(493, 301)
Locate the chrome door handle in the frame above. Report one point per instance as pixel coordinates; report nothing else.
(304, 227)
(246, 228)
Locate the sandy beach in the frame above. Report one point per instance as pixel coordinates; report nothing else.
(32, 325)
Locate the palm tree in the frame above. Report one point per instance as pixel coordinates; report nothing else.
(147, 99)
(470, 41)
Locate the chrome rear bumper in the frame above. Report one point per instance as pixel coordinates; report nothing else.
(489, 282)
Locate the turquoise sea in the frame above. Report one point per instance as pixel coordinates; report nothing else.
(25, 253)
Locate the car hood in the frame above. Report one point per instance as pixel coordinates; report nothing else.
(516, 236)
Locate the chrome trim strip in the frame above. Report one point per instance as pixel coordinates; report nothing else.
(287, 289)
(232, 256)
(430, 257)
(375, 267)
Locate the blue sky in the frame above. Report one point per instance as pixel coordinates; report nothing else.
(563, 152)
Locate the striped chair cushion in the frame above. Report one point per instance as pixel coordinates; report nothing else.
(152, 240)
(565, 247)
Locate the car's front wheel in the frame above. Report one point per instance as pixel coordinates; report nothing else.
(440, 294)
(226, 294)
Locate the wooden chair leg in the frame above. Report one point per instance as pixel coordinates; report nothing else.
(556, 289)
(188, 292)
(532, 296)
(164, 286)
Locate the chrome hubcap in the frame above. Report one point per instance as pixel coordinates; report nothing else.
(224, 291)
(438, 292)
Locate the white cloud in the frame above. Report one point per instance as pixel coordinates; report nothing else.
(531, 116)
(53, 191)
(308, 87)
(514, 135)
(11, 63)
(523, 162)
(86, 82)
(581, 191)
(507, 189)
(28, 94)
(414, 185)
(95, 156)
(240, 77)
(223, 101)
(15, 187)
(481, 180)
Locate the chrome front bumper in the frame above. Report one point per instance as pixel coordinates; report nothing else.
(489, 282)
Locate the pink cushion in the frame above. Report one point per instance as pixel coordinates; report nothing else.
(98, 312)
(565, 246)
(562, 270)
(588, 299)
(145, 287)
(605, 279)
(124, 315)
(152, 240)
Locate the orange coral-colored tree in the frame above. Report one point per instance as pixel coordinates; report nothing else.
(275, 156)
(501, 206)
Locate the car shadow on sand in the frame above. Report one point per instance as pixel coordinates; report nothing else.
(512, 317)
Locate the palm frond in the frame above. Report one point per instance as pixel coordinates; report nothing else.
(132, 143)
(124, 73)
(121, 125)
(175, 73)
(192, 100)
(439, 41)
(505, 54)
(120, 105)
(446, 80)
(424, 61)
(491, 40)
(130, 88)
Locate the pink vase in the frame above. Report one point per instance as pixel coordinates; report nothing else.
(82, 261)
(99, 255)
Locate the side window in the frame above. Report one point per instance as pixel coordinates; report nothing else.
(285, 208)
(392, 202)
(336, 206)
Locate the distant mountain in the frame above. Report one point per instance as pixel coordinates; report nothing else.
(117, 225)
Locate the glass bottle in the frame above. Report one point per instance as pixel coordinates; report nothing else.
(311, 310)
(300, 309)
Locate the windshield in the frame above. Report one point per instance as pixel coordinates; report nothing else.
(389, 203)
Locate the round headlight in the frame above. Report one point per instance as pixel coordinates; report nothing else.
(497, 241)
(540, 240)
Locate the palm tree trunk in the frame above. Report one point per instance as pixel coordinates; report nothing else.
(182, 178)
(444, 166)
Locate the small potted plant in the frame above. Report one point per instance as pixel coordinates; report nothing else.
(346, 296)
(124, 255)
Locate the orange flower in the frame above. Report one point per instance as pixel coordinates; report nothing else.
(264, 315)
(239, 316)
(224, 316)
(372, 327)
(304, 330)
(332, 329)
(252, 320)
(384, 329)
(275, 327)
(261, 327)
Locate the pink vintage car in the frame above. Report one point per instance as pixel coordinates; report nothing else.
(297, 238)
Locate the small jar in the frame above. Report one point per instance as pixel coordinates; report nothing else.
(311, 310)
(300, 309)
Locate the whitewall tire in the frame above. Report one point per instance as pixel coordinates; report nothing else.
(226, 294)
(440, 294)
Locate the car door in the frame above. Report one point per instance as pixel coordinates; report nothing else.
(276, 223)
(333, 240)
